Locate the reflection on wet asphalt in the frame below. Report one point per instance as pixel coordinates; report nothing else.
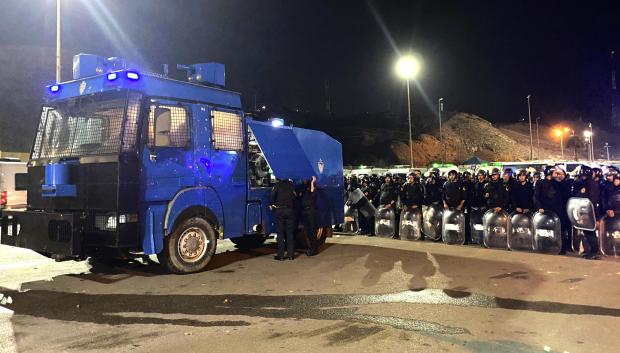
(101, 308)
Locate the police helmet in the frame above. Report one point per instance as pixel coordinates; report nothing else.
(585, 171)
(495, 171)
(482, 172)
(549, 170)
(453, 172)
(522, 172)
(466, 174)
(508, 171)
(612, 170)
(597, 171)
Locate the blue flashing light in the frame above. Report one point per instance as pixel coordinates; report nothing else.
(134, 76)
(277, 122)
(54, 88)
(112, 76)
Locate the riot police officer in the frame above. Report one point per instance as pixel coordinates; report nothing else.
(388, 193)
(307, 196)
(476, 197)
(587, 187)
(281, 201)
(412, 193)
(496, 192)
(522, 193)
(611, 197)
(432, 190)
(565, 187)
(453, 192)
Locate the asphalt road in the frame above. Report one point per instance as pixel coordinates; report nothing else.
(359, 295)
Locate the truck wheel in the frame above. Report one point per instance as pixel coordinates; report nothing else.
(249, 241)
(189, 247)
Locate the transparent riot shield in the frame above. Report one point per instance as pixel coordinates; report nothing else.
(495, 229)
(453, 226)
(431, 222)
(547, 232)
(411, 224)
(476, 226)
(351, 220)
(581, 213)
(521, 232)
(610, 243)
(385, 220)
(358, 200)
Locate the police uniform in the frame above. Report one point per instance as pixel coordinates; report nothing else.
(282, 202)
(308, 215)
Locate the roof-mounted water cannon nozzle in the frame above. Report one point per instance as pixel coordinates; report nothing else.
(205, 73)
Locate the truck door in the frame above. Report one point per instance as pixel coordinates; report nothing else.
(167, 156)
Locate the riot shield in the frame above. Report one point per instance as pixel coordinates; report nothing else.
(431, 222)
(521, 232)
(577, 238)
(547, 233)
(453, 226)
(610, 243)
(476, 226)
(385, 222)
(411, 224)
(581, 213)
(495, 229)
(358, 200)
(351, 220)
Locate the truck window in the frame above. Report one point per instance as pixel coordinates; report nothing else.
(179, 127)
(226, 130)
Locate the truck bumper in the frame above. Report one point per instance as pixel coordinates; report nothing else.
(45, 232)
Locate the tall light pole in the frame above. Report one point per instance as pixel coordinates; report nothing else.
(560, 134)
(529, 114)
(588, 135)
(439, 110)
(537, 140)
(408, 67)
(607, 149)
(57, 41)
(591, 140)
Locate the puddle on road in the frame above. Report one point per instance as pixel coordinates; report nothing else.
(117, 309)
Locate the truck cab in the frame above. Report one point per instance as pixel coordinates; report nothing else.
(127, 163)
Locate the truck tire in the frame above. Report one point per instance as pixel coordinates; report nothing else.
(249, 241)
(190, 246)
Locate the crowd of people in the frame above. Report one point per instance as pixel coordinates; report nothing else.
(523, 192)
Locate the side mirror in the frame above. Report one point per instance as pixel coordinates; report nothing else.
(163, 124)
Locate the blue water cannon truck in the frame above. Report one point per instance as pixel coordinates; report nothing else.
(127, 163)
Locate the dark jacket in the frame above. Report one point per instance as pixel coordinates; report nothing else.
(432, 193)
(497, 195)
(476, 195)
(547, 196)
(522, 195)
(453, 193)
(389, 194)
(412, 194)
(283, 194)
(610, 198)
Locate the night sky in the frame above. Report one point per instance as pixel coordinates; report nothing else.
(483, 57)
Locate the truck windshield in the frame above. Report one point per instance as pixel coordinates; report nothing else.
(88, 126)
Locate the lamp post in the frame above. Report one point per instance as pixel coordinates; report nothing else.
(537, 140)
(591, 140)
(439, 110)
(560, 134)
(57, 41)
(407, 67)
(529, 115)
(588, 135)
(607, 149)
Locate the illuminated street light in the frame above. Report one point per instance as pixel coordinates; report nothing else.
(408, 67)
(559, 132)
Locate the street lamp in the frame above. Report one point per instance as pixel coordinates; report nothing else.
(560, 133)
(408, 67)
(57, 41)
(439, 110)
(588, 135)
(537, 140)
(529, 114)
(607, 149)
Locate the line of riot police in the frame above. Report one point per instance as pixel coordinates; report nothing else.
(547, 212)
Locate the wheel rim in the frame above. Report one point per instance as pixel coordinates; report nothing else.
(193, 244)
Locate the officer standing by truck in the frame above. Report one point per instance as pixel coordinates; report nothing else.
(281, 201)
(307, 196)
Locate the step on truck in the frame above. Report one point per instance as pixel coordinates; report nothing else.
(126, 164)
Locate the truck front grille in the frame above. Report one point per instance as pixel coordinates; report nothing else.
(59, 231)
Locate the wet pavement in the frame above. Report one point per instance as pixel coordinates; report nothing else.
(359, 294)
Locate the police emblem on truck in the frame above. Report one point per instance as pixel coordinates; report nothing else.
(321, 166)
